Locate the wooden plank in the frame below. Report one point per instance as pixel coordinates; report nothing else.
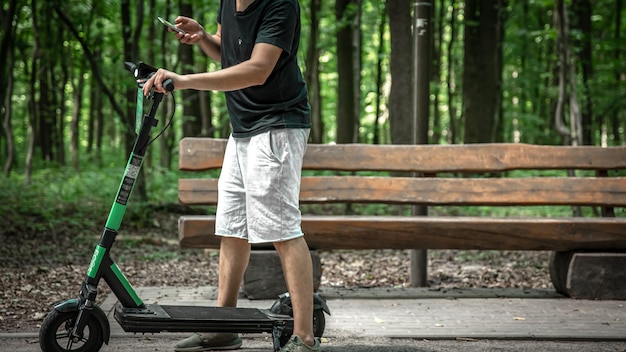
(207, 153)
(590, 191)
(461, 158)
(197, 191)
(401, 232)
(196, 154)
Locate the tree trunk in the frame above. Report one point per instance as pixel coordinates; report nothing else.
(205, 104)
(165, 142)
(61, 82)
(356, 68)
(192, 124)
(567, 86)
(346, 120)
(619, 77)
(46, 105)
(32, 104)
(74, 131)
(379, 73)
(451, 77)
(128, 117)
(7, 43)
(400, 96)
(439, 11)
(95, 128)
(8, 128)
(312, 73)
(502, 16)
(130, 39)
(481, 86)
(583, 12)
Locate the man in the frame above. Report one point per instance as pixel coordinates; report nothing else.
(258, 200)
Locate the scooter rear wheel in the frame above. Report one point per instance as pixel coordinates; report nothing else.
(54, 335)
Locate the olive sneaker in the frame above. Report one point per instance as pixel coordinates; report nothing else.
(209, 342)
(296, 344)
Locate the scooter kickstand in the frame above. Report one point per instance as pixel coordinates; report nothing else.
(277, 331)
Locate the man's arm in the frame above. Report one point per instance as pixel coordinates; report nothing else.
(252, 72)
(249, 73)
(211, 45)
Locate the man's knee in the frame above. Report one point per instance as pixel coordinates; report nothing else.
(294, 244)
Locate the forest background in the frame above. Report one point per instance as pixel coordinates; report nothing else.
(535, 71)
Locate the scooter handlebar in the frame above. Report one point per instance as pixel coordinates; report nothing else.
(143, 71)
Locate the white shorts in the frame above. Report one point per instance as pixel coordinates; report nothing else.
(259, 186)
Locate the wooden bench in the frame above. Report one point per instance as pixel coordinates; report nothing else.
(449, 175)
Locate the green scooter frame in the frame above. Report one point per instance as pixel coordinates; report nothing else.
(80, 325)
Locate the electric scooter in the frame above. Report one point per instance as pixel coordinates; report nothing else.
(80, 325)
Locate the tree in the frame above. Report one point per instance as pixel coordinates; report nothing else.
(379, 73)
(582, 15)
(618, 74)
(482, 69)
(47, 40)
(192, 123)
(8, 18)
(400, 96)
(567, 86)
(345, 12)
(451, 75)
(312, 72)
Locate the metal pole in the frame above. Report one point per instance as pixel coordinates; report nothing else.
(421, 103)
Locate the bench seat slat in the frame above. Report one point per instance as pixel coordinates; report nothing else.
(207, 153)
(432, 232)
(589, 191)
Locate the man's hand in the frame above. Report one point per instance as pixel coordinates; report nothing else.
(195, 31)
(157, 80)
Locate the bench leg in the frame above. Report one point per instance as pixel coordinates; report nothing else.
(264, 278)
(559, 265)
(589, 275)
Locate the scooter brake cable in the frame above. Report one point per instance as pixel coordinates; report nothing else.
(169, 123)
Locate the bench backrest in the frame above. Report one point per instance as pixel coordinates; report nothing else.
(439, 167)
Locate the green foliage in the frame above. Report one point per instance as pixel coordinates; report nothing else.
(60, 198)
(52, 69)
(51, 200)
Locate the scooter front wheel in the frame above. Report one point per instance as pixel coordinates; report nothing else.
(55, 333)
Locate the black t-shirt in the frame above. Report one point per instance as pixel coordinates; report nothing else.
(281, 102)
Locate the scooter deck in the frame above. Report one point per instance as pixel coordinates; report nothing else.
(156, 318)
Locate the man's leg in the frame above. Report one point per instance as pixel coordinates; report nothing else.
(234, 257)
(231, 224)
(298, 270)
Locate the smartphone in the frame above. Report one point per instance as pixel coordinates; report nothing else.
(170, 25)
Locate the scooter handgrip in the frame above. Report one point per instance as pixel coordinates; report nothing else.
(168, 84)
